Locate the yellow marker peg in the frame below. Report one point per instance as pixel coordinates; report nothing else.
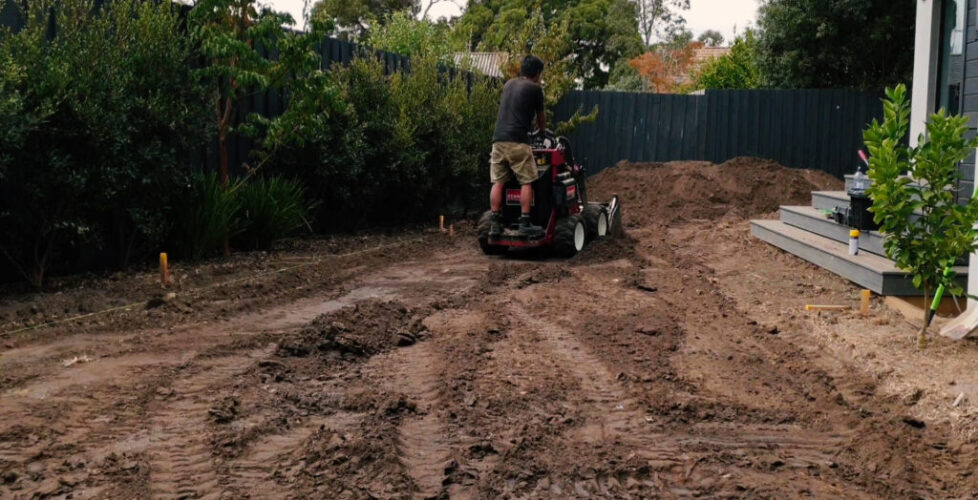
(164, 269)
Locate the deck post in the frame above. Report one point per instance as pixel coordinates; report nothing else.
(927, 39)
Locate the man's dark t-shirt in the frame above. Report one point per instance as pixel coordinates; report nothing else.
(522, 100)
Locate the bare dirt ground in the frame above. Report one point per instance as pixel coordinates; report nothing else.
(675, 362)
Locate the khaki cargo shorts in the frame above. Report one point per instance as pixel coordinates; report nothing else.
(510, 158)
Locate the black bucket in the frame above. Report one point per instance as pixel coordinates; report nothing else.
(860, 216)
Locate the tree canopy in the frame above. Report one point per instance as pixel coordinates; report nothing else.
(734, 70)
(711, 38)
(595, 35)
(657, 18)
(836, 43)
(403, 34)
(351, 18)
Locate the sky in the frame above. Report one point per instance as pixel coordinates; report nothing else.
(720, 15)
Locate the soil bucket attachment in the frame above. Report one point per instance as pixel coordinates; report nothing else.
(613, 208)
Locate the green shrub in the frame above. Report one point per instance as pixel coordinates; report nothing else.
(380, 150)
(207, 217)
(98, 121)
(269, 210)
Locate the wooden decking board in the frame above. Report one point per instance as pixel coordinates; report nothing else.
(866, 269)
(828, 200)
(813, 220)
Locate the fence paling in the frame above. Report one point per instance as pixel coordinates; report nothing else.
(818, 129)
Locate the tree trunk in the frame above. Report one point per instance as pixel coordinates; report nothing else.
(40, 262)
(223, 148)
(922, 337)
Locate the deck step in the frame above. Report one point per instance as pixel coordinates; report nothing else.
(828, 200)
(866, 269)
(813, 220)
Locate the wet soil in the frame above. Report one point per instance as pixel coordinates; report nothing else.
(672, 362)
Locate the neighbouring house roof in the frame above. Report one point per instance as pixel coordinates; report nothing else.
(700, 57)
(487, 63)
(704, 54)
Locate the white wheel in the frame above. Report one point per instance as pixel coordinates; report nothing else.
(579, 236)
(602, 224)
(570, 235)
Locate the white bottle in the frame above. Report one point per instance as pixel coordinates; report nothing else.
(860, 182)
(853, 242)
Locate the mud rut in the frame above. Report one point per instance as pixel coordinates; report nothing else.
(491, 378)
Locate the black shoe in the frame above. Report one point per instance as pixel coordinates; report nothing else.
(495, 225)
(528, 230)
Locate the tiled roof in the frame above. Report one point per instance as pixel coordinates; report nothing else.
(487, 63)
(704, 54)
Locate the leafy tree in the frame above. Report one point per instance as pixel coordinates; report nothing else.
(926, 229)
(711, 38)
(230, 34)
(836, 43)
(13, 121)
(403, 34)
(625, 78)
(677, 37)
(665, 69)
(656, 18)
(351, 19)
(592, 35)
(734, 70)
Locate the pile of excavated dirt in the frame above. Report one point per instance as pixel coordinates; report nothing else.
(666, 192)
(365, 329)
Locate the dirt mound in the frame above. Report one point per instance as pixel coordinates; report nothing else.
(667, 192)
(365, 329)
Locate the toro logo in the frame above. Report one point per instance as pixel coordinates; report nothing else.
(513, 197)
(571, 192)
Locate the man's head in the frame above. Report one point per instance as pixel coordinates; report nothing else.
(531, 68)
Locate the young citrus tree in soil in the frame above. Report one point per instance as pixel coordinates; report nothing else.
(926, 229)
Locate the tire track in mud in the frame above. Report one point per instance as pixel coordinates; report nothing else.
(424, 445)
(181, 460)
(256, 473)
(614, 417)
(113, 418)
(861, 429)
(615, 411)
(170, 429)
(603, 424)
(611, 417)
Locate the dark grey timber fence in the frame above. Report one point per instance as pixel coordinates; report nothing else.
(817, 129)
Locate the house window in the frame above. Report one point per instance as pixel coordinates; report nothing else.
(953, 27)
